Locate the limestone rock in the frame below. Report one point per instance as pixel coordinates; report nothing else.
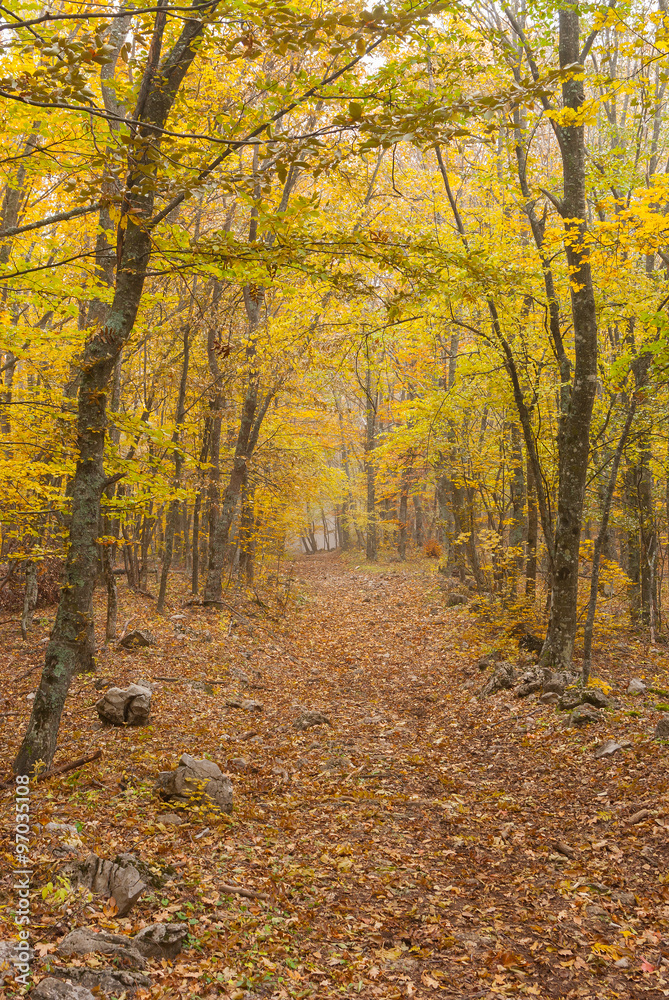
(60, 989)
(119, 879)
(138, 637)
(170, 819)
(593, 696)
(559, 681)
(662, 729)
(125, 706)
(116, 982)
(503, 679)
(570, 700)
(549, 698)
(307, 719)
(583, 715)
(196, 781)
(246, 703)
(84, 941)
(161, 940)
(454, 600)
(608, 748)
(530, 681)
(636, 686)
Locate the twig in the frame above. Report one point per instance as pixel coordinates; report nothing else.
(239, 891)
(61, 769)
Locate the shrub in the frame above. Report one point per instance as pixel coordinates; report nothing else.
(432, 549)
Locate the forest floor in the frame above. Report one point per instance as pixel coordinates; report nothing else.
(414, 847)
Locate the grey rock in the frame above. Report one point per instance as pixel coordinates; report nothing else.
(662, 729)
(570, 700)
(621, 963)
(530, 687)
(608, 748)
(125, 706)
(119, 879)
(593, 696)
(64, 828)
(454, 600)
(584, 715)
(196, 781)
(60, 989)
(503, 678)
(138, 637)
(559, 681)
(549, 698)
(161, 940)
(106, 981)
(306, 720)
(636, 686)
(246, 703)
(86, 942)
(627, 899)
(170, 819)
(9, 954)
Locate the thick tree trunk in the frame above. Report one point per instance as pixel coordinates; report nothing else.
(72, 644)
(575, 430)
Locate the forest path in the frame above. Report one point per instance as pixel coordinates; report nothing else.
(411, 848)
(432, 817)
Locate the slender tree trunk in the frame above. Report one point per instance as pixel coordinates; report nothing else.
(532, 535)
(197, 507)
(371, 403)
(517, 490)
(402, 513)
(173, 512)
(599, 544)
(29, 597)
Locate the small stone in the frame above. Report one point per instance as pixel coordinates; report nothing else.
(583, 715)
(170, 819)
(636, 686)
(308, 719)
(246, 703)
(569, 700)
(627, 899)
(593, 696)
(503, 678)
(161, 940)
(118, 879)
(621, 963)
(608, 748)
(60, 989)
(240, 763)
(129, 706)
(455, 600)
(195, 781)
(549, 698)
(138, 637)
(662, 729)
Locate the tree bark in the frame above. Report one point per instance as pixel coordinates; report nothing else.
(575, 431)
(371, 404)
(599, 545)
(173, 512)
(72, 643)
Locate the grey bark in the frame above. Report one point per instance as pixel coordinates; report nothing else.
(71, 646)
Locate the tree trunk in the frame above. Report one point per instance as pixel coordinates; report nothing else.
(371, 403)
(532, 535)
(29, 597)
(575, 429)
(599, 545)
(72, 644)
(517, 491)
(197, 507)
(402, 513)
(175, 503)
